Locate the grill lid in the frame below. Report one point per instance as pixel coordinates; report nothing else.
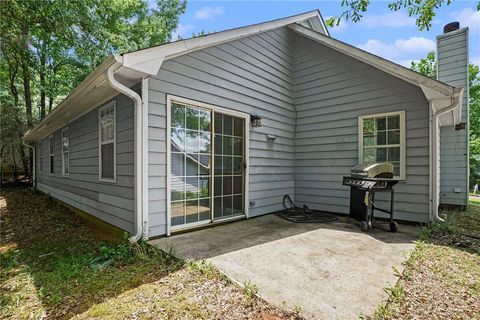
(373, 170)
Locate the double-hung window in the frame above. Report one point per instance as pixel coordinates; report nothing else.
(65, 151)
(51, 154)
(40, 157)
(107, 152)
(382, 139)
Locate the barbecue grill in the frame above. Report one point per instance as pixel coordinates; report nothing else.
(365, 180)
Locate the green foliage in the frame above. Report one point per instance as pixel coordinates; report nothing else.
(49, 47)
(422, 10)
(250, 289)
(426, 66)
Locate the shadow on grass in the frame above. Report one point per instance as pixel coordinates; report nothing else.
(45, 258)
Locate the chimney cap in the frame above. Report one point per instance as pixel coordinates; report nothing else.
(452, 26)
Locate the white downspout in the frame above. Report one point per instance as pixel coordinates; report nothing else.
(34, 160)
(138, 139)
(435, 186)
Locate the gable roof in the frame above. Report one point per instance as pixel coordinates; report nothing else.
(149, 60)
(95, 89)
(438, 93)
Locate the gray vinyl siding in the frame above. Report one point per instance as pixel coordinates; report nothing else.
(453, 69)
(331, 91)
(251, 75)
(111, 202)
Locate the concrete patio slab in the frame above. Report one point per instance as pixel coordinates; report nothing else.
(329, 270)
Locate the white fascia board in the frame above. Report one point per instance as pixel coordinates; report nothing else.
(375, 61)
(150, 60)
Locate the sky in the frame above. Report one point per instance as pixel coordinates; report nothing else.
(391, 35)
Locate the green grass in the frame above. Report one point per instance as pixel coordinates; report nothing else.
(441, 278)
(55, 265)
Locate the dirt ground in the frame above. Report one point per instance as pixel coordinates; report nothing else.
(47, 272)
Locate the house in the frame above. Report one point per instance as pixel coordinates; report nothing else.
(221, 126)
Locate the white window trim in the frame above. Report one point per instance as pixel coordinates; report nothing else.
(40, 157)
(198, 104)
(100, 143)
(403, 163)
(68, 152)
(50, 139)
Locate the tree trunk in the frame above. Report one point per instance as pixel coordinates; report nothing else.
(27, 93)
(43, 62)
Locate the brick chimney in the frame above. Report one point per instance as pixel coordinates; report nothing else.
(452, 68)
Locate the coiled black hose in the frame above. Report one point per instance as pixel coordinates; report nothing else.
(293, 213)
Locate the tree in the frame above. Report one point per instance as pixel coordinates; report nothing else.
(48, 47)
(427, 66)
(423, 10)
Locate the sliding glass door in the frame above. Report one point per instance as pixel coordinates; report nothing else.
(207, 157)
(228, 173)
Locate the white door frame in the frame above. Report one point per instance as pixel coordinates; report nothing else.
(194, 103)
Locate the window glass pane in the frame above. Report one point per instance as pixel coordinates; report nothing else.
(192, 118)
(51, 146)
(218, 186)
(204, 165)
(393, 122)
(191, 186)
(381, 123)
(394, 154)
(178, 116)
(238, 127)
(394, 137)
(237, 206)
(381, 154)
(381, 137)
(178, 164)
(237, 184)
(218, 123)
(177, 187)
(218, 144)
(237, 165)
(396, 169)
(191, 142)
(191, 211)
(65, 141)
(204, 142)
(177, 140)
(65, 163)
(107, 161)
(227, 185)
(204, 120)
(52, 165)
(237, 146)
(227, 205)
(217, 207)
(369, 140)
(204, 187)
(369, 155)
(218, 165)
(191, 165)
(227, 145)
(227, 125)
(227, 165)
(204, 209)
(178, 213)
(368, 126)
(107, 124)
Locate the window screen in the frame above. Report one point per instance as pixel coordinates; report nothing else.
(107, 142)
